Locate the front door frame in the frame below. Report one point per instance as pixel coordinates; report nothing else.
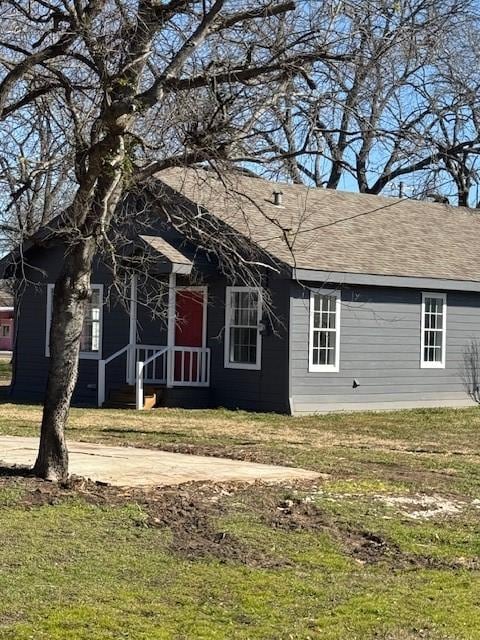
(203, 289)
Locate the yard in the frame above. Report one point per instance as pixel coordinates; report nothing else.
(385, 545)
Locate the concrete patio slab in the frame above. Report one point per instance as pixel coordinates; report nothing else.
(134, 467)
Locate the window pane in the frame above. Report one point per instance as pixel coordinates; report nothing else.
(243, 345)
(244, 309)
(434, 329)
(90, 338)
(324, 325)
(243, 329)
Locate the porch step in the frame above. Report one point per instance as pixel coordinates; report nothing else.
(123, 397)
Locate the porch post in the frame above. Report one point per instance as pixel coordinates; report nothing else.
(132, 338)
(172, 282)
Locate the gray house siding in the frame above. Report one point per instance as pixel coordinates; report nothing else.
(380, 336)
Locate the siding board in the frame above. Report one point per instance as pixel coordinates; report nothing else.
(380, 348)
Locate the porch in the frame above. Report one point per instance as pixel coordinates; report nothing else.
(150, 370)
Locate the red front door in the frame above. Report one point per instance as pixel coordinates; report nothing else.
(189, 332)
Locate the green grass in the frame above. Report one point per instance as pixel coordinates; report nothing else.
(71, 569)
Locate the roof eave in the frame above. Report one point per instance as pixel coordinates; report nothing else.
(383, 280)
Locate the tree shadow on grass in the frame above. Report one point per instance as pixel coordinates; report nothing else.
(16, 470)
(180, 434)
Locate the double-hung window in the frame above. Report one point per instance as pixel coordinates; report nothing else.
(324, 348)
(243, 339)
(91, 338)
(434, 325)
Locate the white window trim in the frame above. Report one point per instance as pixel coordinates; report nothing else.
(332, 368)
(228, 314)
(423, 363)
(84, 355)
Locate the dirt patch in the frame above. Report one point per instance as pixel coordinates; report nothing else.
(422, 507)
(189, 511)
(192, 523)
(192, 511)
(366, 547)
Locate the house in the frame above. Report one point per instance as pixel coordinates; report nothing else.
(373, 303)
(6, 320)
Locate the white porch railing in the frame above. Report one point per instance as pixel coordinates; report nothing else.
(101, 372)
(191, 367)
(155, 370)
(141, 371)
(158, 364)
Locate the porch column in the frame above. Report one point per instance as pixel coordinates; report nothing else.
(172, 283)
(132, 338)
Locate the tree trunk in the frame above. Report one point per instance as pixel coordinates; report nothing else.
(72, 290)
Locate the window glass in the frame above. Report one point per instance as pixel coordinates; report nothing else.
(323, 343)
(243, 319)
(90, 339)
(433, 330)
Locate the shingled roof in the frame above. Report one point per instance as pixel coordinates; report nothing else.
(180, 262)
(337, 231)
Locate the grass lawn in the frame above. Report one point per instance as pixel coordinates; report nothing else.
(385, 545)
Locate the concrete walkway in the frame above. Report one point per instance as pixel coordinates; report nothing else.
(133, 467)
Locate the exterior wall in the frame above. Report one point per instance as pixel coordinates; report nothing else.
(262, 390)
(6, 319)
(31, 364)
(380, 332)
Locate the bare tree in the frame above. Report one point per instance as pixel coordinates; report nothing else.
(470, 373)
(107, 93)
(402, 108)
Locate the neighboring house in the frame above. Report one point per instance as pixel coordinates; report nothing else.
(6, 320)
(377, 306)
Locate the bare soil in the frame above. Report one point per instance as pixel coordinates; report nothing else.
(191, 512)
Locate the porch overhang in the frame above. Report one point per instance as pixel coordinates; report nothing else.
(170, 259)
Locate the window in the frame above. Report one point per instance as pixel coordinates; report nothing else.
(243, 340)
(5, 330)
(91, 338)
(324, 349)
(434, 319)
